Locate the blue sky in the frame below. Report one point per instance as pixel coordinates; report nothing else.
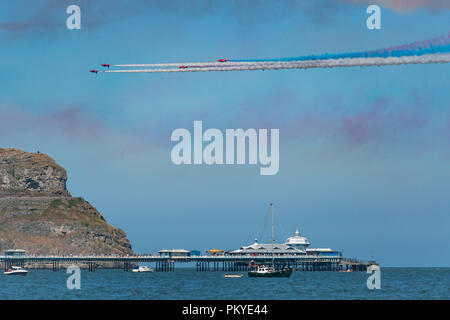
(364, 152)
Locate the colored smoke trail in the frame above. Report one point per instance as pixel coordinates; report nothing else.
(326, 63)
(418, 48)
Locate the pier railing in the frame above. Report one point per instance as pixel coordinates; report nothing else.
(150, 258)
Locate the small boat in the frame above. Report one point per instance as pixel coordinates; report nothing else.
(233, 275)
(16, 271)
(142, 269)
(350, 270)
(269, 271)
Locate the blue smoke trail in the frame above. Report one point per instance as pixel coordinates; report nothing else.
(436, 45)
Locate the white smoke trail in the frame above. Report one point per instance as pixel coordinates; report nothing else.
(329, 63)
(163, 65)
(187, 64)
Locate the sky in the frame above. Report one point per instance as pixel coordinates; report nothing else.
(364, 151)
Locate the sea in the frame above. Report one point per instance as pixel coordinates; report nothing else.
(187, 283)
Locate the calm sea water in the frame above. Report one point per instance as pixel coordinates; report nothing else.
(396, 283)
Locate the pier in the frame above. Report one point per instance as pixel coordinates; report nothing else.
(347, 264)
(202, 263)
(294, 253)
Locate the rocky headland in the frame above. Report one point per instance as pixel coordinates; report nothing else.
(38, 214)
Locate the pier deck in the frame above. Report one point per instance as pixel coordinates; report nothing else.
(203, 263)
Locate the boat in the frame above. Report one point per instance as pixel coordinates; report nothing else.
(233, 275)
(268, 270)
(142, 269)
(16, 271)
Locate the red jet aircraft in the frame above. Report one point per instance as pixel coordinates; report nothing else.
(183, 67)
(93, 71)
(222, 60)
(106, 65)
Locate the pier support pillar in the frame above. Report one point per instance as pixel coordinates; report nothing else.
(55, 265)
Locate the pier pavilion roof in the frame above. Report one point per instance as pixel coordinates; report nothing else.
(173, 251)
(268, 248)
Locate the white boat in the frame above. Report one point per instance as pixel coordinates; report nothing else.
(142, 269)
(16, 271)
(233, 275)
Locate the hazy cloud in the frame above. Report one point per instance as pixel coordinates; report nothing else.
(68, 122)
(381, 121)
(48, 16)
(405, 5)
(73, 123)
(384, 121)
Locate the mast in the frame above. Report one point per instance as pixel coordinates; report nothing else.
(271, 216)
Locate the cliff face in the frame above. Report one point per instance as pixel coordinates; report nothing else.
(39, 215)
(33, 174)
